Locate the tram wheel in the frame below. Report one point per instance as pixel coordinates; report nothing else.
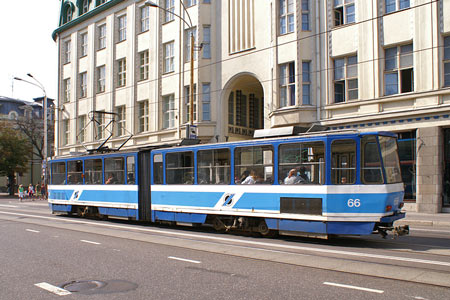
(264, 230)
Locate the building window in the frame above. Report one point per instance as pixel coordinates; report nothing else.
(100, 125)
(66, 131)
(206, 101)
(407, 156)
(143, 65)
(345, 79)
(344, 12)
(122, 72)
(168, 111)
(83, 85)
(145, 21)
(398, 70)
(84, 44)
(394, 5)
(100, 2)
(305, 15)
(66, 90)
(122, 28)
(67, 51)
(102, 36)
(169, 57)
(206, 50)
(207, 1)
(306, 83)
(188, 33)
(169, 10)
(287, 84)
(190, 3)
(447, 61)
(187, 103)
(84, 7)
(287, 16)
(143, 116)
(101, 74)
(81, 135)
(121, 120)
(68, 13)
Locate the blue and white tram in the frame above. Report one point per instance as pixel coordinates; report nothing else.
(346, 183)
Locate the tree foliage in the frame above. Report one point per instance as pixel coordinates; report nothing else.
(34, 130)
(15, 151)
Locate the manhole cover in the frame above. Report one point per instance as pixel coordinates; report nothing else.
(99, 287)
(80, 286)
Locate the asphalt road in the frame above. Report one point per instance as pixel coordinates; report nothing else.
(120, 260)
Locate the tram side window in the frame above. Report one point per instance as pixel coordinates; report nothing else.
(389, 152)
(158, 169)
(58, 172)
(115, 170)
(131, 167)
(75, 172)
(180, 168)
(343, 162)
(253, 165)
(371, 162)
(213, 166)
(93, 173)
(302, 163)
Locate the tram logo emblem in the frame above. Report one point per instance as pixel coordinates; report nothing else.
(75, 195)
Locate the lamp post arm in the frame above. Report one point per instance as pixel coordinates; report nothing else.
(152, 4)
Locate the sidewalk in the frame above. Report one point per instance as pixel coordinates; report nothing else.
(441, 220)
(422, 219)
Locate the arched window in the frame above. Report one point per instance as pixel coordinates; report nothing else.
(68, 12)
(83, 6)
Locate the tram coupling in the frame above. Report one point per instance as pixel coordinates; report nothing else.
(396, 231)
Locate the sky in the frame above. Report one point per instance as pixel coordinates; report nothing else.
(27, 46)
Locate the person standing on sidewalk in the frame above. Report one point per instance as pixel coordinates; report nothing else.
(20, 193)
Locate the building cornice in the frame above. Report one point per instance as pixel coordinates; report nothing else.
(84, 17)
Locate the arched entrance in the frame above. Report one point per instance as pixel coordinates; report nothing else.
(244, 99)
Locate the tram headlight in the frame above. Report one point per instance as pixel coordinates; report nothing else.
(401, 205)
(388, 208)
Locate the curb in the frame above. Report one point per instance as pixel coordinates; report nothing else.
(423, 223)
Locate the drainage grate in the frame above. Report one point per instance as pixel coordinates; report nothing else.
(99, 287)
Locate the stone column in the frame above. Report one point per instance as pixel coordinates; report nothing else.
(429, 148)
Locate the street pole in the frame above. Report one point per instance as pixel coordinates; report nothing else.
(191, 89)
(191, 85)
(44, 109)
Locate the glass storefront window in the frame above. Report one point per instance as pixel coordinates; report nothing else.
(407, 155)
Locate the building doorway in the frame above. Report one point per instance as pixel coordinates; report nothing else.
(446, 177)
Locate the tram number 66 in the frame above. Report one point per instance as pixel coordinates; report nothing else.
(354, 203)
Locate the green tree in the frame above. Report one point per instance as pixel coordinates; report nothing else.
(15, 152)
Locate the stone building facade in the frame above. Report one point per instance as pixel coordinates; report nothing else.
(362, 65)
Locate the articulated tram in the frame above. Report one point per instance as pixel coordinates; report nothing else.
(321, 184)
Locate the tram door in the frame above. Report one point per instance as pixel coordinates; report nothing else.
(343, 162)
(144, 183)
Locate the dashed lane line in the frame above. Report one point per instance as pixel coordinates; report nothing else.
(184, 259)
(31, 230)
(90, 242)
(354, 287)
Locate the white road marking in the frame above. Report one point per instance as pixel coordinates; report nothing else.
(225, 239)
(11, 206)
(354, 287)
(90, 242)
(53, 289)
(31, 230)
(184, 259)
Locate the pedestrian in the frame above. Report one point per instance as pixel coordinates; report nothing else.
(43, 191)
(21, 190)
(31, 191)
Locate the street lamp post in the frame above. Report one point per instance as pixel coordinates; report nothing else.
(192, 41)
(39, 85)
